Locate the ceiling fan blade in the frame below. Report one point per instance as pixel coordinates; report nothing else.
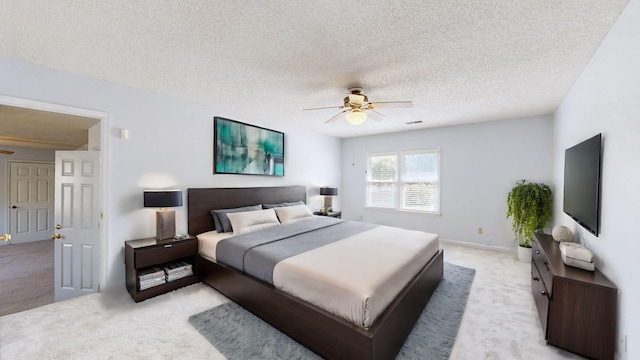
(391, 104)
(375, 115)
(323, 108)
(336, 117)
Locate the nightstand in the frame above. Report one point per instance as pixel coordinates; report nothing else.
(144, 254)
(334, 214)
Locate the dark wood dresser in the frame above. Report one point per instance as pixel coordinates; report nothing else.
(577, 308)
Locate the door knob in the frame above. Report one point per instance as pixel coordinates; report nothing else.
(6, 238)
(56, 236)
(58, 226)
(14, 207)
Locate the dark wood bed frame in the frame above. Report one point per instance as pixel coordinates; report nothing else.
(324, 333)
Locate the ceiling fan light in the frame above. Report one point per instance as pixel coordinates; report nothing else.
(356, 117)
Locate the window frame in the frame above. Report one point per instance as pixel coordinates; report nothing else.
(398, 202)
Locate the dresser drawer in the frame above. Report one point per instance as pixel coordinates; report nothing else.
(165, 253)
(541, 262)
(540, 296)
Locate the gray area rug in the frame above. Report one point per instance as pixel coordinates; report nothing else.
(238, 334)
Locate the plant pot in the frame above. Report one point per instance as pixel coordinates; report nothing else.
(524, 254)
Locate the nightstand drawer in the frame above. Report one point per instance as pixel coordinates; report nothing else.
(165, 253)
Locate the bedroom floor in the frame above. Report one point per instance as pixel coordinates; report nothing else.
(500, 321)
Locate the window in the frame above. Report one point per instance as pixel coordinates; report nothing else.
(405, 181)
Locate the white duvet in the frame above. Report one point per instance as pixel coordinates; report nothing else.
(355, 278)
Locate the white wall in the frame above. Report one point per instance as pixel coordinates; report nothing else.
(606, 99)
(480, 165)
(20, 154)
(170, 146)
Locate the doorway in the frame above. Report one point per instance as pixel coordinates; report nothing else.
(99, 143)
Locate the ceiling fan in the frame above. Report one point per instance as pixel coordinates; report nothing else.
(356, 104)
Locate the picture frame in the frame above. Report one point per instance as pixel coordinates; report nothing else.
(244, 149)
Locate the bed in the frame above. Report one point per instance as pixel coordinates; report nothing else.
(324, 332)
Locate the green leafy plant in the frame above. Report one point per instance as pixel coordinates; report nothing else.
(530, 206)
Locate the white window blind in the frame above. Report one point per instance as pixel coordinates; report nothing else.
(383, 175)
(420, 182)
(405, 181)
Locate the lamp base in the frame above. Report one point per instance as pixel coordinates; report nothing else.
(165, 224)
(328, 203)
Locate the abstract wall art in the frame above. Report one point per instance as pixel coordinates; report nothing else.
(241, 148)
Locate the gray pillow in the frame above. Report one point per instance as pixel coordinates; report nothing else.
(284, 204)
(221, 220)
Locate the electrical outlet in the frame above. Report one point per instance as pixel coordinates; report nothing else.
(622, 349)
(480, 230)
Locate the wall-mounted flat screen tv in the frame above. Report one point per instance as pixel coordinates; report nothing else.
(582, 167)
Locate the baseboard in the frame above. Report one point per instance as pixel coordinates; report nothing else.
(478, 246)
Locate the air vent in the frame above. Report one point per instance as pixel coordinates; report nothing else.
(414, 122)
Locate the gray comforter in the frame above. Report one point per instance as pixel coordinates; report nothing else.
(257, 253)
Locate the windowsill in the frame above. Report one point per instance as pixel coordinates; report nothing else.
(405, 211)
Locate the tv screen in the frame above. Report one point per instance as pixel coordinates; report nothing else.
(582, 183)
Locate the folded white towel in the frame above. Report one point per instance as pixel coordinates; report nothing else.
(576, 251)
(578, 263)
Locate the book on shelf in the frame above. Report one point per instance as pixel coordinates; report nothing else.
(177, 266)
(149, 283)
(180, 275)
(149, 273)
(150, 277)
(178, 270)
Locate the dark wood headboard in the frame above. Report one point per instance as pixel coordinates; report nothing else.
(202, 200)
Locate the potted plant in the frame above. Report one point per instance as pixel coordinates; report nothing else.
(529, 205)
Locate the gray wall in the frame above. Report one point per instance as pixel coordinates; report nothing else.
(606, 99)
(480, 165)
(170, 146)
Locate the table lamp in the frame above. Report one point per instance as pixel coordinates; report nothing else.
(165, 218)
(327, 192)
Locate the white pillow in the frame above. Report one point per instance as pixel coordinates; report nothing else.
(291, 214)
(250, 221)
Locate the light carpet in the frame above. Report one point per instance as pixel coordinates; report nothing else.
(238, 334)
(500, 321)
(26, 276)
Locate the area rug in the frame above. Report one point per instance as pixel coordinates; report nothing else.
(238, 334)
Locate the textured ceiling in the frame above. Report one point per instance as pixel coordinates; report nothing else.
(43, 130)
(264, 61)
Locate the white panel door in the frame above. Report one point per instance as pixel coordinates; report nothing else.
(77, 218)
(30, 201)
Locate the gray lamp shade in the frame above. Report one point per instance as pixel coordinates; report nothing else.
(162, 198)
(328, 191)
